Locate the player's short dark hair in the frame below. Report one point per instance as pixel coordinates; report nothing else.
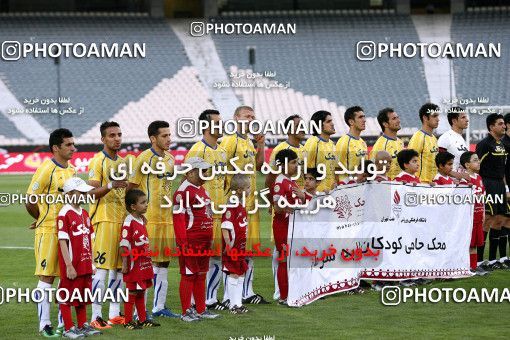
(153, 129)
(313, 172)
(285, 155)
(382, 116)
(132, 197)
(492, 118)
(405, 156)
(350, 113)
(319, 118)
(289, 120)
(466, 158)
(57, 137)
(426, 110)
(107, 125)
(206, 115)
(507, 118)
(454, 113)
(443, 157)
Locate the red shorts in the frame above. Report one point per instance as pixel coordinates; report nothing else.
(80, 287)
(280, 236)
(139, 285)
(477, 235)
(193, 264)
(237, 267)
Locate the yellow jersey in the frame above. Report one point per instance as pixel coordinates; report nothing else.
(110, 207)
(155, 186)
(299, 150)
(217, 157)
(237, 146)
(319, 151)
(392, 146)
(350, 151)
(49, 179)
(426, 146)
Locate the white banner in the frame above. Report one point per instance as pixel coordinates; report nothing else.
(382, 231)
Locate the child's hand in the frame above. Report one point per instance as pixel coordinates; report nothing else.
(125, 269)
(71, 272)
(299, 194)
(32, 225)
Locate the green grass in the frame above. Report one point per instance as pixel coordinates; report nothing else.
(337, 316)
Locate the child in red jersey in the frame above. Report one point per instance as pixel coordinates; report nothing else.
(75, 259)
(137, 270)
(311, 183)
(444, 163)
(193, 225)
(410, 164)
(469, 160)
(234, 231)
(285, 191)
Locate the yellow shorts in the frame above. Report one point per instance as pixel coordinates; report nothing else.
(253, 230)
(46, 254)
(105, 246)
(217, 236)
(161, 237)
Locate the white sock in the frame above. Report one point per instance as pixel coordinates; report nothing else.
(213, 279)
(274, 265)
(233, 285)
(239, 293)
(60, 319)
(98, 283)
(160, 289)
(225, 288)
(43, 307)
(248, 281)
(115, 281)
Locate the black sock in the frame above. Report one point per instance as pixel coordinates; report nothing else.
(481, 250)
(493, 243)
(503, 237)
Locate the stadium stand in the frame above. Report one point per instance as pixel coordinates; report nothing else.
(101, 86)
(339, 77)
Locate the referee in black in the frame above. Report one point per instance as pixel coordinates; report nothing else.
(505, 231)
(492, 155)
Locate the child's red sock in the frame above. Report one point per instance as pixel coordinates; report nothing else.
(128, 308)
(185, 291)
(140, 305)
(472, 260)
(199, 292)
(65, 310)
(283, 282)
(81, 315)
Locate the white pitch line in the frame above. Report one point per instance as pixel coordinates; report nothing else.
(29, 248)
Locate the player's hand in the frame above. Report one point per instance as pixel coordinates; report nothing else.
(124, 268)
(71, 272)
(261, 140)
(32, 225)
(432, 184)
(119, 184)
(299, 194)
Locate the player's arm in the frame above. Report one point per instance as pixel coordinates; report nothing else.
(38, 185)
(261, 147)
(101, 191)
(442, 143)
(63, 239)
(341, 152)
(179, 220)
(125, 247)
(136, 176)
(416, 143)
(227, 225)
(270, 177)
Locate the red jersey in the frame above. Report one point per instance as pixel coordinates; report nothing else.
(443, 180)
(404, 177)
(74, 226)
(194, 221)
(308, 196)
(283, 188)
(235, 221)
(479, 190)
(135, 238)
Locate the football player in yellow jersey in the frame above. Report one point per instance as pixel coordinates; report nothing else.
(158, 187)
(214, 154)
(351, 148)
(320, 149)
(293, 142)
(425, 143)
(49, 179)
(107, 216)
(390, 124)
(239, 145)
